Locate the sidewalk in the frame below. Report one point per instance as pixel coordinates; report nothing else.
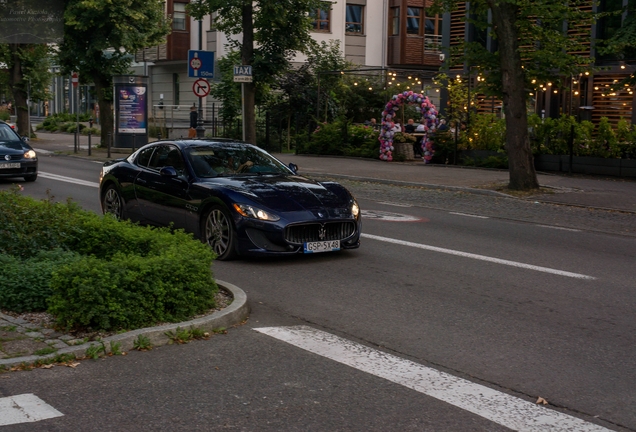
(604, 193)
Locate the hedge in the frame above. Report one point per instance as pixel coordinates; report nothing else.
(103, 274)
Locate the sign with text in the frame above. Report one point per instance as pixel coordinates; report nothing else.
(243, 73)
(200, 64)
(31, 21)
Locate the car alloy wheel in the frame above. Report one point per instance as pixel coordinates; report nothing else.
(112, 203)
(219, 233)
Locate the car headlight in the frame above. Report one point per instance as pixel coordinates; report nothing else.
(254, 212)
(355, 209)
(30, 155)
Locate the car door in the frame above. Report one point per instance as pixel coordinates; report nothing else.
(163, 199)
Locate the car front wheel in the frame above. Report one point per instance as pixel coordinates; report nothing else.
(31, 178)
(219, 233)
(112, 202)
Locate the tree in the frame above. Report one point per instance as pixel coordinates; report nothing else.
(27, 65)
(273, 31)
(536, 41)
(99, 38)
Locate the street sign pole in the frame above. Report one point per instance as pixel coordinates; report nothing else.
(243, 108)
(200, 128)
(243, 74)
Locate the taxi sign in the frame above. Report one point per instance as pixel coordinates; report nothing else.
(243, 73)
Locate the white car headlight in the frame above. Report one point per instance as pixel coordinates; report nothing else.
(355, 209)
(254, 212)
(29, 155)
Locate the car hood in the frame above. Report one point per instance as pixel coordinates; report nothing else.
(286, 193)
(10, 151)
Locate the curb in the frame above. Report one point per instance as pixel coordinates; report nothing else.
(234, 314)
(425, 185)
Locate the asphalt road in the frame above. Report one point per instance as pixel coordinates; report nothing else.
(539, 306)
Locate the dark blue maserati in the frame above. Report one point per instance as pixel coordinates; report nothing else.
(234, 196)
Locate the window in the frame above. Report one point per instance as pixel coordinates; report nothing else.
(395, 21)
(179, 16)
(432, 33)
(354, 19)
(413, 21)
(175, 88)
(321, 18)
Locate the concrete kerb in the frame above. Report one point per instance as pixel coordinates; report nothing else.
(234, 314)
(414, 184)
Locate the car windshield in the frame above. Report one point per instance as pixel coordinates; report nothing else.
(9, 139)
(233, 159)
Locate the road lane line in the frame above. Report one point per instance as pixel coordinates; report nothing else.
(501, 408)
(559, 228)
(67, 179)
(469, 215)
(479, 257)
(25, 408)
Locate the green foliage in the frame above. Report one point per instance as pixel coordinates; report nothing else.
(115, 348)
(341, 138)
(25, 283)
(44, 351)
(487, 132)
(126, 277)
(142, 343)
(94, 351)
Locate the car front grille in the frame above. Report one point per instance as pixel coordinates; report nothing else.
(299, 234)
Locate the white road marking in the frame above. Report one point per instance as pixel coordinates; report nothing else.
(394, 204)
(501, 408)
(469, 215)
(68, 179)
(478, 257)
(37, 150)
(388, 216)
(25, 408)
(559, 228)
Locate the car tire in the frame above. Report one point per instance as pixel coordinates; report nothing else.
(112, 202)
(30, 178)
(218, 233)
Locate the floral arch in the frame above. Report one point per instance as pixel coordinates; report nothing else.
(424, 106)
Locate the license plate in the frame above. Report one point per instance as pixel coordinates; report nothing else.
(10, 165)
(322, 246)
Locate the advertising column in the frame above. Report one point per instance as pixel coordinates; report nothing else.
(131, 111)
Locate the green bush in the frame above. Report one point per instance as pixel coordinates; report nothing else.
(25, 283)
(340, 138)
(132, 291)
(488, 132)
(126, 275)
(85, 130)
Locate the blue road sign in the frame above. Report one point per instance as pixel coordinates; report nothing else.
(200, 64)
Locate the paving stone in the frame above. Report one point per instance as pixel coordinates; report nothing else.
(65, 338)
(56, 343)
(34, 335)
(21, 347)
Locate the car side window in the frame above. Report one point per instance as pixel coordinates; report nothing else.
(165, 155)
(144, 157)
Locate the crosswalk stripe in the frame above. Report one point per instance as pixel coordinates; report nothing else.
(25, 408)
(504, 409)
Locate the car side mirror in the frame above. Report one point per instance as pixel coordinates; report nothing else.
(293, 167)
(168, 171)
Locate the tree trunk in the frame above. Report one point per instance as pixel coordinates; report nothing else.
(103, 88)
(521, 163)
(249, 94)
(17, 90)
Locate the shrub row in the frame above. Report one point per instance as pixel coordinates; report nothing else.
(96, 272)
